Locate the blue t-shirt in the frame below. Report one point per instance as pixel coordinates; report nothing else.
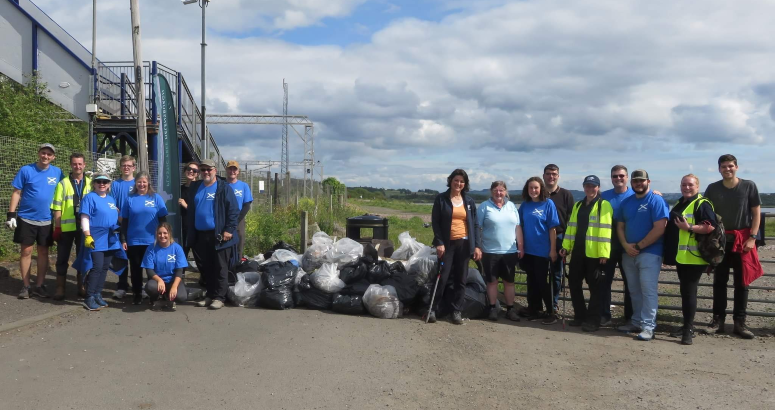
(242, 192)
(120, 190)
(499, 227)
(616, 199)
(103, 220)
(143, 212)
(164, 261)
(204, 219)
(639, 215)
(537, 218)
(37, 188)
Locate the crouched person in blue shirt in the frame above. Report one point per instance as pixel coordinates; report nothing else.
(164, 262)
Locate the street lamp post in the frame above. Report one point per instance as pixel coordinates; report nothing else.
(203, 4)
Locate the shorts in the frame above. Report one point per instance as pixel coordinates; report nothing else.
(496, 265)
(27, 234)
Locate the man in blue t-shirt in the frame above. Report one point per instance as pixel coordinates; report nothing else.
(641, 224)
(33, 193)
(244, 200)
(122, 187)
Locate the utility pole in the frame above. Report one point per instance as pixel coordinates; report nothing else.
(95, 78)
(142, 136)
(205, 138)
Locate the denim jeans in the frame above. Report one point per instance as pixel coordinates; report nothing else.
(95, 278)
(642, 279)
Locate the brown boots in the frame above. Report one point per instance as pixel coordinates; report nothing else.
(59, 294)
(741, 330)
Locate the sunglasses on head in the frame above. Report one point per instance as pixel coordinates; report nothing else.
(194, 170)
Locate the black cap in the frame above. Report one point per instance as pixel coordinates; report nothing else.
(639, 174)
(592, 180)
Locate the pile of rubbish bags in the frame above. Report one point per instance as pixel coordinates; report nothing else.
(336, 275)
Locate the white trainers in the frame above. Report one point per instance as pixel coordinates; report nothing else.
(216, 304)
(646, 335)
(629, 328)
(119, 294)
(204, 303)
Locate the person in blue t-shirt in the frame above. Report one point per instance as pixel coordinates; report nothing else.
(164, 262)
(122, 187)
(501, 245)
(33, 192)
(244, 200)
(539, 220)
(642, 222)
(142, 212)
(99, 221)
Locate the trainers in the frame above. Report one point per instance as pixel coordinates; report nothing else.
(40, 291)
(493, 314)
(589, 327)
(171, 306)
(646, 335)
(119, 294)
(511, 314)
(605, 322)
(145, 295)
(549, 320)
(90, 304)
(215, 304)
(100, 301)
(24, 293)
(629, 328)
(431, 316)
(457, 317)
(204, 303)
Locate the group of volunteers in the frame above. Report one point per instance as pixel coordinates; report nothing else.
(126, 219)
(631, 226)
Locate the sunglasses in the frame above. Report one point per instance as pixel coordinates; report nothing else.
(194, 170)
(618, 176)
(101, 182)
(207, 169)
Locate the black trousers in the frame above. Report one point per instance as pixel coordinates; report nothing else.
(64, 246)
(586, 269)
(135, 254)
(689, 277)
(538, 290)
(605, 287)
(152, 289)
(213, 264)
(455, 259)
(721, 278)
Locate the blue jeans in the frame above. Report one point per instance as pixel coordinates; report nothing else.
(95, 278)
(642, 279)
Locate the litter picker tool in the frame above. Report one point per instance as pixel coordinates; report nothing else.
(433, 297)
(563, 265)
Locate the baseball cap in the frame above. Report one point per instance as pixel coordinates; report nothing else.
(207, 163)
(232, 163)
(592, 180)
(100, 176)
(47, 145)
(639, 174)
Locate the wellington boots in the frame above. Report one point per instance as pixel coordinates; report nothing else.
(81, 288)
(741, 330)
(59, 294)
(721, 322)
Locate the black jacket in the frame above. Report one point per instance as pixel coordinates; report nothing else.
(441, 218)
(225, 210)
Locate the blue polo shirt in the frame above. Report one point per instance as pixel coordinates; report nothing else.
(37, 188)
(103, 220)
(164, 261)
(204, 218)
(537, 219)
(121, 189)
(499, 227)
(639, 215)
(143, 212)
(242, 192)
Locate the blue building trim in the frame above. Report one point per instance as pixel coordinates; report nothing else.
(34, 47)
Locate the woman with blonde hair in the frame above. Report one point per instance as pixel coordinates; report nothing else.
(164, 262)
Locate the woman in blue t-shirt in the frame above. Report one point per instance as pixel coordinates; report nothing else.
(164, 262)
(539, 222)
(99, 220)
(143, 210)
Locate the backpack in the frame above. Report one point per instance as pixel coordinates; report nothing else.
(711, 245)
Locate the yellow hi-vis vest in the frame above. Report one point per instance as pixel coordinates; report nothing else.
(597, 243)
(63, 201)
(688, 253)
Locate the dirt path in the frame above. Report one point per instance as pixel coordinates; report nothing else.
(426, 217)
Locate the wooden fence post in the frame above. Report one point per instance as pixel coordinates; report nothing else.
(304, 233)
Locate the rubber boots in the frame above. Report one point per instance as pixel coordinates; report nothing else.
(81, 288)
(741, 330)
(59, 294)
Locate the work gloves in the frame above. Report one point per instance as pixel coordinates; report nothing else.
(88, 242)
(10, 221)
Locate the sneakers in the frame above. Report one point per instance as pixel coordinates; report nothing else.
(629, 328)
(215, 304)
(119, 294)
(24, 293)
(457, 317)
(431, 316)
(511, 314)
(90, 304)
(549, 320)
(40, 291)
(100, 301)
(605, 322)
(493, 314)
(646, 335)
(158, 305)
(204, 303)
(171, 306)
(589, 327)
(137, 299)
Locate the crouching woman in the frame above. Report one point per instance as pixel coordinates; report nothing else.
(164, 262)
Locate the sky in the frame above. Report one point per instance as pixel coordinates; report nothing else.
(402, 92)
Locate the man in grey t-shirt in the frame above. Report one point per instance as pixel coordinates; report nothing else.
(738, 203)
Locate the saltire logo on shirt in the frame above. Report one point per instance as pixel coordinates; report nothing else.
(237, 192)
(538, 212)
(643, 208)
(112, 206)
(52, 180)
(210, 196)
(171, 258)
(150, 204)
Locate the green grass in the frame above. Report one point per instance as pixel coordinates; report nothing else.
(397, 205)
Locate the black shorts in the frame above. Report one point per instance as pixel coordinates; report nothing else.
(497, 265)
(28, 234)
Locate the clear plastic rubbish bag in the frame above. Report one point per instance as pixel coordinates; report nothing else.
(409, 246)
(247, 289)
(382, 302)
(344, 251)
(327, 279)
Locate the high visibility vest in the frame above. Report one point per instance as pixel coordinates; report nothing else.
(63, 201)
(597, 242)
(688, 253)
